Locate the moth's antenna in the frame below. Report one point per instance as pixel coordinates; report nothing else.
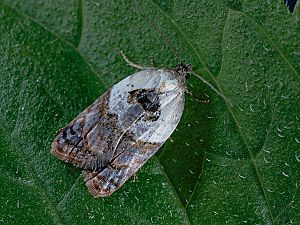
(162, 34)
(167, 40)
(212, 87)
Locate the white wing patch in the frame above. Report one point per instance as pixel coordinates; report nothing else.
(171, 97)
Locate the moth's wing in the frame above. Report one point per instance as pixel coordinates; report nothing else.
(89, 140)
(85, 141)
(139, 144)
(104, 182)
(115, 136)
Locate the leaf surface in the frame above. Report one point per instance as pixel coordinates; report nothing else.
(232, 163)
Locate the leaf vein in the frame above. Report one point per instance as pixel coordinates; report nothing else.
(174, 191)
(288, 204)
(273, 43)
(59, 205)
(62, 40)
(19, 181)
(80, 22)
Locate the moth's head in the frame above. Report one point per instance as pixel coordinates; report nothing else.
(184, 70)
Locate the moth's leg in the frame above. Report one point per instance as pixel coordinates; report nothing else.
(135, 177)
(141, 67)
(170, 139)
(152, 63)
(197, 99)
(58, 131)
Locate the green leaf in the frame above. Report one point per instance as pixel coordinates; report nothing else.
(227, 163)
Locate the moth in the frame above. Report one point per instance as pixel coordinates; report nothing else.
(116, 135)
(123, 128)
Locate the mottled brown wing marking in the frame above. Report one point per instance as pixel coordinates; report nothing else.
(87, 141)
(132, 155)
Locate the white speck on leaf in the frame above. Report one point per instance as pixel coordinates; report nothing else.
(251, 109)
(284, 174)
(266, 150)
(266, 160)
(241, 176)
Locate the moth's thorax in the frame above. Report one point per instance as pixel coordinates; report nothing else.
(182, 71)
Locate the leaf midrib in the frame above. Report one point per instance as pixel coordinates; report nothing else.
(90, 67)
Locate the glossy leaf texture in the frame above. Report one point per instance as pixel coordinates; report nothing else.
(229, 162)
